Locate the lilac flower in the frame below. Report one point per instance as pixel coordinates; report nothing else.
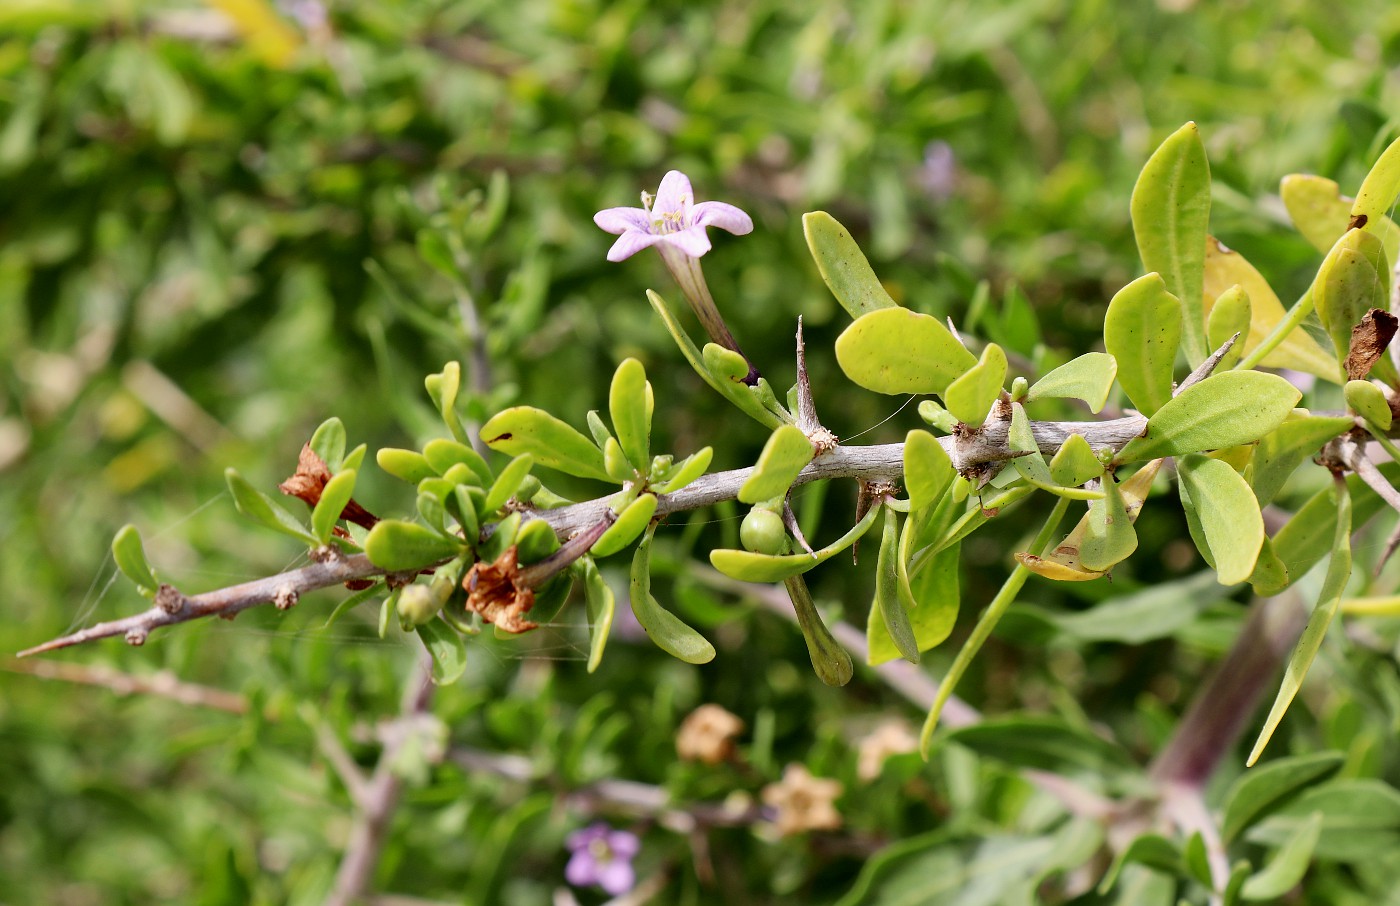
(671, 219)
(602, 857)
(673, 223)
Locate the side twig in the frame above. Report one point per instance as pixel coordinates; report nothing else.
(880, 462)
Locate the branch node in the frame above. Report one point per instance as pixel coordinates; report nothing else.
(169, 599)
(136, 637)
(286, 597)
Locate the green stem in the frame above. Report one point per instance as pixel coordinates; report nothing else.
(990, 617)
(1300, 310)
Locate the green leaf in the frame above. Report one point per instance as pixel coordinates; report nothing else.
(1197, 860)
(727, 370)
(554, 444)
(1224, 410)
(508, 482)
(353, 459)
(261, 508)
(1338, 572)
(448, 651)
(665, 628)
(536, 540)
(1353, 279)
(351, 602)
(1288, 446)
(328, 442)
(928, 471)
(630, 524)
(1306, 538)
(787, 453)
(630, 404)
(747, 566)
(130, 556)
(1322, 214)
(1171, 216)
(616, 463)
(1110, 537)
(1141, 331)
(443, 454)
(1360, 820)
(686, 471)
(895, 350)
(1297, 350)
(931, 597)
(1229, 316)
(971, 395)
(601, 605)
(1152, 850)
(843, 266)
(1042, 743)
(1020, 439)
(1074, 463)
(940, 869)
(1366, 400)
(405, 465)
(443, 388)
(1230, 520)
(1088, 378)
(1378, 190)
(1156, 612)
(888, 606)
(334, 496)
(397, 546)
(830, 661)
(1259, 791)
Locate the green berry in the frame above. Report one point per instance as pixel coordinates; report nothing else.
(763, 532)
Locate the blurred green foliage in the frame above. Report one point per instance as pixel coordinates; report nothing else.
(219, 230)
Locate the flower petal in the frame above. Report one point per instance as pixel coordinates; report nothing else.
(582, 870)
(624, 845)
(616, 878)
(724, 216)
(674, 195)
(620, 220)
(632, 242)
(692, 241)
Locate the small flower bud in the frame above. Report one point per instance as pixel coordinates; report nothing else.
(417, 605)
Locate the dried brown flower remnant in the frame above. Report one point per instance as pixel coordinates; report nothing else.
(310, 480)
(707, 735)
(893, 737)
(492, 592)
(1369, 339)
(803, 802)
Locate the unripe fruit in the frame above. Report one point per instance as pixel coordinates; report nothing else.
(763, 532)
(417, 605)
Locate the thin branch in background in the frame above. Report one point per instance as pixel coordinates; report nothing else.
(162, 684)
(381, 796)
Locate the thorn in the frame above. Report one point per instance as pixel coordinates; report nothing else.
(790, 521)
(806, 409)
(1204, 370)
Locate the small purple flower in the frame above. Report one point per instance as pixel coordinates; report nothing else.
(939, 174)
(671, 219)
(675, 224)
(602, 857)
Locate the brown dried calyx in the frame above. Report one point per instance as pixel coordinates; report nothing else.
(493, 591)
(310, 481)
(1369, 339)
